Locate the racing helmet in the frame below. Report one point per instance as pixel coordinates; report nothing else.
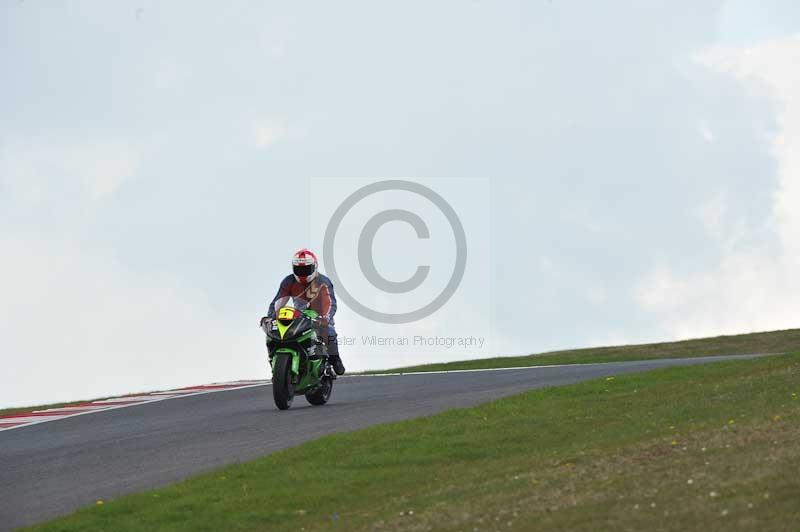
(304, 265)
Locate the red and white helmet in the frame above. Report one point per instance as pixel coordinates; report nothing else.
(304, 265)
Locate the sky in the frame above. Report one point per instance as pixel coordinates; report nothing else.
(624, 172)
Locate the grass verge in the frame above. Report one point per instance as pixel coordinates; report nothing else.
(742, 344)
(710, 447)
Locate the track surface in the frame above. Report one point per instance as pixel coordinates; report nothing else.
(52, 469)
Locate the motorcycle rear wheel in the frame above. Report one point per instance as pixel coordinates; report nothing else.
(282, 387)
(322, 393)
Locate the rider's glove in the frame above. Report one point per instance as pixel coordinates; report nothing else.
(323, 321)
(264, 321)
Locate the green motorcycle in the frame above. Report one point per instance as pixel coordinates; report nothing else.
(298, 357)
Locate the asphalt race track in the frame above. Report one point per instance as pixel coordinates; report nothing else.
(53, 468)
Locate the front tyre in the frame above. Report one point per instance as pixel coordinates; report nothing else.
(320, 395)
(282, 388)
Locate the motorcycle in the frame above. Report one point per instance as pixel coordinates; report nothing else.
(298, 357)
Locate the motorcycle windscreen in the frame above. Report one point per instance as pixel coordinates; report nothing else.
(294, 302)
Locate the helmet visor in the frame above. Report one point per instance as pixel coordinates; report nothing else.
(304, 270)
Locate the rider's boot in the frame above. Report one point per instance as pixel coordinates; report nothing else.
(333, 355)
(336, 362)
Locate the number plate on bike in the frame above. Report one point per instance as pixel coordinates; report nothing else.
(287, 313)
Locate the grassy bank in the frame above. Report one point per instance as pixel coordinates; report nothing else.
(742, 344)
(712, 447)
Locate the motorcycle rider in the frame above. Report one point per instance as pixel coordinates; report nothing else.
(307, 283)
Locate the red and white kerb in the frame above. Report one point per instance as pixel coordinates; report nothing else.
(23, 419)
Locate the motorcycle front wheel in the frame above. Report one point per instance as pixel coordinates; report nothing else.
(282, 388)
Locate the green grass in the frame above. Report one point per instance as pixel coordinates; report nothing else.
(742, 344)
(710, 447)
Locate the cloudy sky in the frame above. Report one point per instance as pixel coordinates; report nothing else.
(625, 171)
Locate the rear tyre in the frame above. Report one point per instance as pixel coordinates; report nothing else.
(320, 395)
(282, 388)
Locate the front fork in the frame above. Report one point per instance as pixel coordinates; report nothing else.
(329, 372)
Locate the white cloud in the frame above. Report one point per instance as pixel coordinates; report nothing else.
(705, 131)
(104, 167)
(755, 286)
(170, 75)
(661, 289)
(34, 174)
(712, 214)
(266, 134)
(77, 324)
(268, 131)
(597, 295)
